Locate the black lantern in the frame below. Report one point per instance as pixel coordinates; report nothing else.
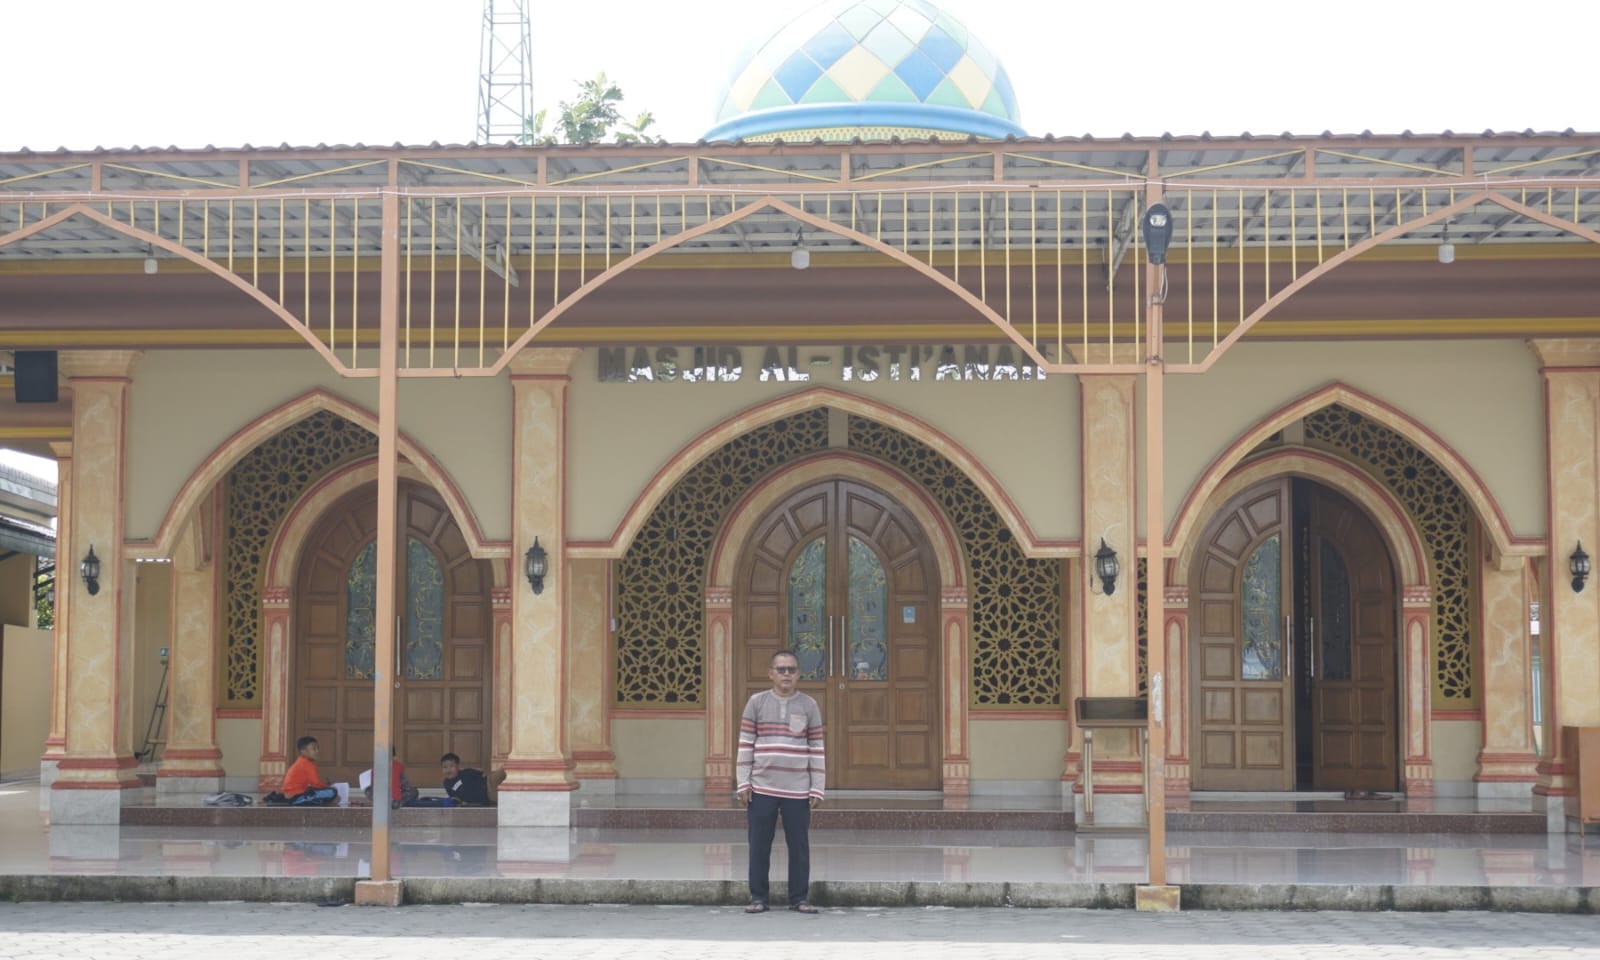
(535, 564)
(1157, 234)
(1106, 567)
(1578, 563)
(90, 569)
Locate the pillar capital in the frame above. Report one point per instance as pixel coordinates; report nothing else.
(93, 364)
(1573, 354)
(545, 361)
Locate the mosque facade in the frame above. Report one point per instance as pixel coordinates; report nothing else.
(1291, 441)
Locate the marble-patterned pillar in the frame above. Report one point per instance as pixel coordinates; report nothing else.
(588, 669)
(1176, 630)
(1508, 763)
(1571, 618)
(720, 734)
(955, 626)
(1072, 601)
(277, 613)
(539, 782)
(500, 617)
(1109, 656)
(191, 761)
(1416, 624)
(55, 743)
(97, 772)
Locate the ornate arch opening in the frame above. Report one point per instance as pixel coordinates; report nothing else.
(274, 422)
(747, 421)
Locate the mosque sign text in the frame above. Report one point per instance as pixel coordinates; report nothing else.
(797, 364)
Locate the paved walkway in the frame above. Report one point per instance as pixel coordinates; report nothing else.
(275, 931)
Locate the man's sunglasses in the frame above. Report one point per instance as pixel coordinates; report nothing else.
(787, 669)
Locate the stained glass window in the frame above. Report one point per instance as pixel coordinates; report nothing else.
(869, 596)
(808, 604)
(1334, 622)
(1261, 599)
(360, 619)
(424, 613)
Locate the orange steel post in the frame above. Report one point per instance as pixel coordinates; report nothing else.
(1155, 538)
(384, 658)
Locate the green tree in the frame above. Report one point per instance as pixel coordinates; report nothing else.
(595, 115)
(44, 598)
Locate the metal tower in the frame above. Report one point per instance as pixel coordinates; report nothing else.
(505, 72)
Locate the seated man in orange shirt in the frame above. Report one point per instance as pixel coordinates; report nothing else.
(302, 783)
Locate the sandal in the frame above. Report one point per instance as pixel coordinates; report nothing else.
(756, 906)
(803, 906)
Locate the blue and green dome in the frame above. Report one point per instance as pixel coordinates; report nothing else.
(872, 69)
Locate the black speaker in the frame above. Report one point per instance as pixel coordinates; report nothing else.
(36, 376)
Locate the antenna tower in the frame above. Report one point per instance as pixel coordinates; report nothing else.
(505, 72)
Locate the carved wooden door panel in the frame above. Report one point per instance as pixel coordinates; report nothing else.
(1352, 625)
(1242, 675)
(843, 576)
(443, 682)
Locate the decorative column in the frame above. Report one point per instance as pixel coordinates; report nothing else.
(277, 613)
(1176, 631)
(55, 743)
(1109, 664)
(537, 791)
(1416, 629)
(190, 764)
(1571, 618)
(955, 627)
(1508, 763)
(720, 735)
(98, 768)
(500, 617)
(1072, 682)
(588, 669)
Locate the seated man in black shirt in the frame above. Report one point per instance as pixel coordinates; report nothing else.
(466, 786)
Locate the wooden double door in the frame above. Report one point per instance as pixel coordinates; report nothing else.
(1294, 669)
(840, 574)
(443, 677)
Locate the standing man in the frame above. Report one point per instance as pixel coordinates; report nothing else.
(781, 770)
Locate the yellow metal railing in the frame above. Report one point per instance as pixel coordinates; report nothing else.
(1057, 269)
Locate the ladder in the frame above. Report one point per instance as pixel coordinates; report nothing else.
(155, 732)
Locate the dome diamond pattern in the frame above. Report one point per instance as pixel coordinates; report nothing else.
(895, 64)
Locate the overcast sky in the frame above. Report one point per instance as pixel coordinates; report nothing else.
(195, 72)
(192, 73)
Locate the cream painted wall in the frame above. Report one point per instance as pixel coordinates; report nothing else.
(152, 611)
(240, 743)
(1017, 749)
(1482, 397)
(185, 403)
(660, 749)
(1456, 744)
(1026, 432)
(24, 698)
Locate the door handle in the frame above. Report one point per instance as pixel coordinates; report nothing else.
(830, 644)
(1288, 644)
(1311, 646)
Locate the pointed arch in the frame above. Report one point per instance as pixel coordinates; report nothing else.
(183, 253)
(1398, 530)
(216, 466)
(1344, 256)
(745, 421)
(819, 223)
(1185, 525)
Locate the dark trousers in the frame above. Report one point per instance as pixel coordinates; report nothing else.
(763, 819)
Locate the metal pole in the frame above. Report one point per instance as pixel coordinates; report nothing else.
(384, 659)
(1155, 539)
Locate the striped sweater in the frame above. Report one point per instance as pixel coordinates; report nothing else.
(780, 746)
